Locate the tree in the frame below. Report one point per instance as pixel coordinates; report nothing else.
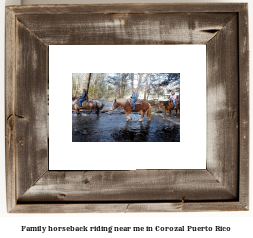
(107, 87)
(146, 88)
(88, 77)
(120, 85)
(139, 84)
(132, 81)
(77, 84)
(123, 86)
(114, 86)
(170, 78)
(149, 88)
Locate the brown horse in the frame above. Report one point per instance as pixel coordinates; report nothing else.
(92, 105)
(169, 106)
(145, 107)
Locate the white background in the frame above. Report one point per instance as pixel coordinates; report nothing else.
(241, 222)
(188, 60)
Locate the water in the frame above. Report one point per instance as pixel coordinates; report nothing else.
(113, 127)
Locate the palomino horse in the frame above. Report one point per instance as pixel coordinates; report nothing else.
(169, 106)
(92, 105)
(145, 107)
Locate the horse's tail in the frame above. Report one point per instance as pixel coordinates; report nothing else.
(149, 112)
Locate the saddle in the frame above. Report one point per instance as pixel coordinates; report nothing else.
(137, 102)
(177, 102)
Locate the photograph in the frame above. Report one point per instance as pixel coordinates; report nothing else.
(126, 107)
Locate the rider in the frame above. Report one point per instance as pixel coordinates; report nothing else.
(82, 98)
(173, 97)
(134, 97)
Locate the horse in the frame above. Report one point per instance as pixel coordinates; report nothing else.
(90, 104)
(169, 106)
(145, 107)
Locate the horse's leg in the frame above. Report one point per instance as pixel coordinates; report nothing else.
(127, 116)
(149, 112)
(170, 113)
(90, 110)
(77, 111)
(128, 111)
(76, 108)
(97, 111)
(142, 115)
(165, 113)
(176, 112)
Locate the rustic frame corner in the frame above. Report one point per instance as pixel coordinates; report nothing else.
(223, 186)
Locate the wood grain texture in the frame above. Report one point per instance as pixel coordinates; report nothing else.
(30, 108)
(9, 109)
(155, 8)
(118, 29)
(186, 207)
(223, 186)
(244, 106)
(222, 107)
(139, 185)
(129, 207)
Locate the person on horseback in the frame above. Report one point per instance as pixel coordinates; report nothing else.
(173, 98)
(134, 97)
(82, 98)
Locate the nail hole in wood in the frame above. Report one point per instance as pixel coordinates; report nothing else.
(86, 181)
(61, 195)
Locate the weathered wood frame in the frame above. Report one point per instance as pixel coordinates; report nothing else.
(222, 186)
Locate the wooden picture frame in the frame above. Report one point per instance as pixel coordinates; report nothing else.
(222, 186)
